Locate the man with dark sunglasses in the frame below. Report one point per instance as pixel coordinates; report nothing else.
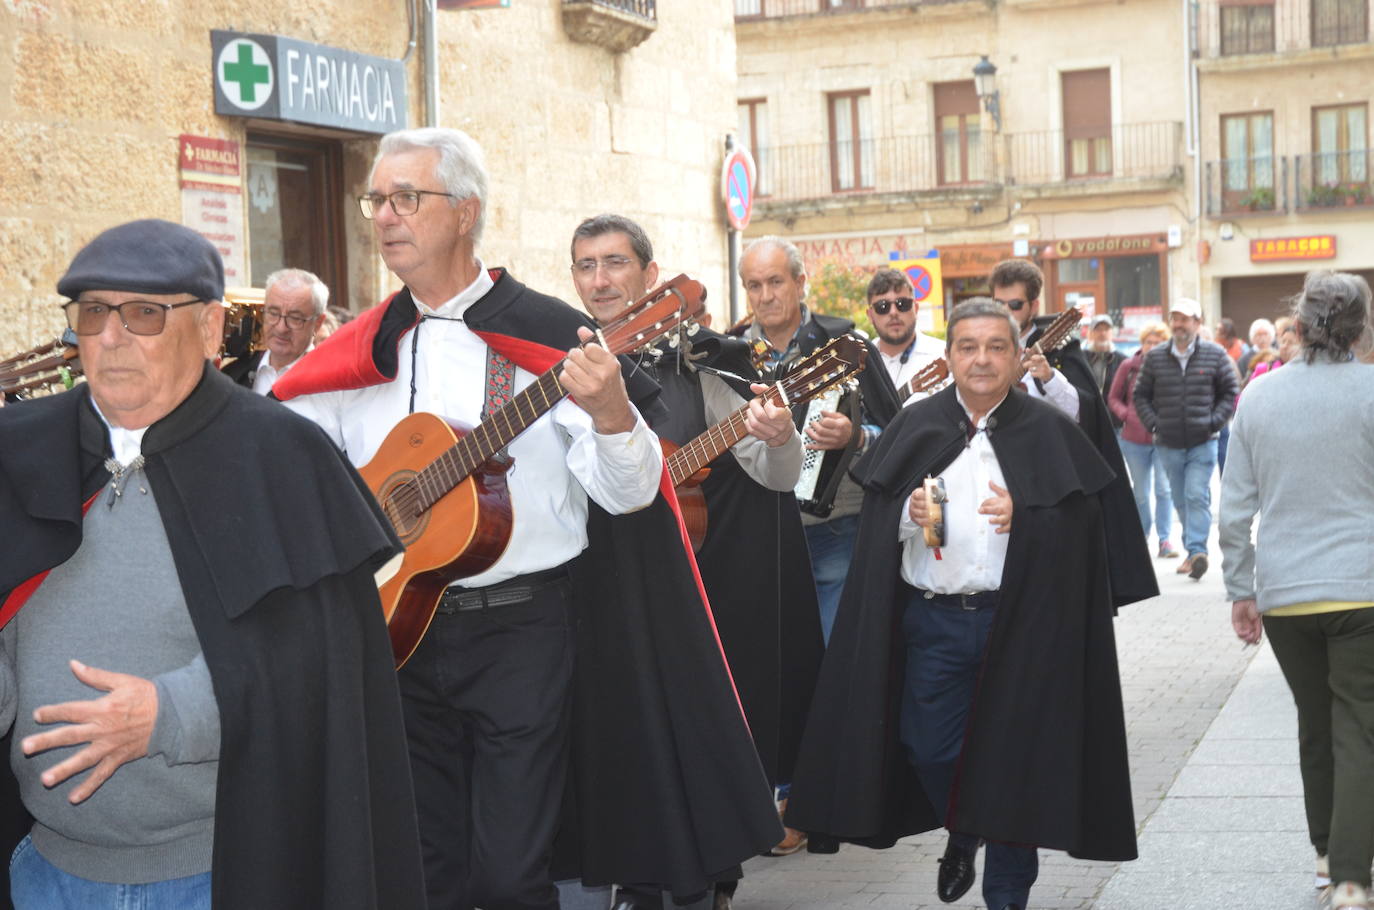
(892, 309)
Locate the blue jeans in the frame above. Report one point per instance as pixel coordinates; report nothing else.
(944, 655)
(1142, 461)
(831, 544)
(36, 884)
(1190, 470)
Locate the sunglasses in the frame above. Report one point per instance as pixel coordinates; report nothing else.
(904, 305)
(1014, 305)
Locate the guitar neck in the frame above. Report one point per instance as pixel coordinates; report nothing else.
(710, 445)
(490, 436)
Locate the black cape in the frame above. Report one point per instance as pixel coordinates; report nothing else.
(754, 563)
(244, 369)
(275, 539)
(1044, 760)
(1133, 575)
(664, 785)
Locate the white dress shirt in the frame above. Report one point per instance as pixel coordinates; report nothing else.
(266, 374)
(924, 350)
(973, 555)
(773, 467)
(1058, 390)
(126, 444)
(558, 461)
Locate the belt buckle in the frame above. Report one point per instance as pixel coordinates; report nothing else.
(964, 603)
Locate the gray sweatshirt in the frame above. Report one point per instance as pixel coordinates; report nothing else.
(1302, 456)
(117, 605)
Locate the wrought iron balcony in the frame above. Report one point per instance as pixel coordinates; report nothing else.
(1246, 186)
(899, 164)
(746, 10)
(1333, 179)
(1124, 152)
(1228, 29)
(617, 25)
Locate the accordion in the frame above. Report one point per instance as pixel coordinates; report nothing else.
(822, 471)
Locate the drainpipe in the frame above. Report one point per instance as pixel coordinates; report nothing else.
(431, 63)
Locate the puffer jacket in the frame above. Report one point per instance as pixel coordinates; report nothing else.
(1183, 408)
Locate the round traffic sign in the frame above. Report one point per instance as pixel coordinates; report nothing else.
(920, 281)
(737, 182)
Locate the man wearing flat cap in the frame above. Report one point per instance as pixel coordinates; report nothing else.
(186, 732)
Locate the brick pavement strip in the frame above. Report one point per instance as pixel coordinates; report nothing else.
(1180, 663)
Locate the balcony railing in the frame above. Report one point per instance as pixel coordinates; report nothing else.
(645, 9)
(900, 164)
(914, 164)
(1333, 179)
(616, 25)
(1240, 186)
(1231, 29)
(1125, 151)
(778, 9)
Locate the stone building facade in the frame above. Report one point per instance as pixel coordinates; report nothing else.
(1285, 90)
(872, 139)
(582, 106)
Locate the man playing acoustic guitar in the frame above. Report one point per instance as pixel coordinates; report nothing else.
(488, 694)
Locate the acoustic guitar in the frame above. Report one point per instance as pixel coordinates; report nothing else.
(443, 487)
(840, 360)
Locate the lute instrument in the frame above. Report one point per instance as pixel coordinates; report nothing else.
(443, 489)
(839, 361)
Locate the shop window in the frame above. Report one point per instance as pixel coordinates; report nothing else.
(753, 124)
(1087, 123)
(1132, 281)
(1340, 144)
(851, 141)
(1247, 149)
(1247, 26)
(295, 204)
(959, 143)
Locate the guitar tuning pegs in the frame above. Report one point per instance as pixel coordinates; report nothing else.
(674, 341)
(693, 328)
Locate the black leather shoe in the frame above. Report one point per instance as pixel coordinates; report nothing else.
(956, 873)
(1012, 907)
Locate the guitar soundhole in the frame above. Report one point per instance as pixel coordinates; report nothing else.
(400, 500)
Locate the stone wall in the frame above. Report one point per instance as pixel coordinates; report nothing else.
(94, 93)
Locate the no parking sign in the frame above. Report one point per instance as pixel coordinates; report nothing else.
(737, 185)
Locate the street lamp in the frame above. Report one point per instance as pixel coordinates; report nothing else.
(984, 83)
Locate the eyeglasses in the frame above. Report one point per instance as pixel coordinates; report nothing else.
(904, 305)
(403, 202)
(271, 316)
(140, 317)
(611, 264)
(1014, 305)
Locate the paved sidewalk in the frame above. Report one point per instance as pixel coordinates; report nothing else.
(1216, 793)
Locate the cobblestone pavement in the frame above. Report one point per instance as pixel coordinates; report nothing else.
(1180, 663)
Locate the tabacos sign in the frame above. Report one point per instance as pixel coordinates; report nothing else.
(273, 77)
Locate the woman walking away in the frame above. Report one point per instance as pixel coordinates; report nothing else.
(1138, 446)
(1302, 456)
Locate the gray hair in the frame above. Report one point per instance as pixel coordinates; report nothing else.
(462, 167)
(1332, 314)
(615, 224)
(300, 278)
(982, 308)
(795, 265)
(1263, 324)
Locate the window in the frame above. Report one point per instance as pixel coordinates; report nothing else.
(959, 139)
(1340, 144)
(830, 5)
(1247, 26)
(753, 125)
(851, 142)
(1339, 22)
(1247, 150)
(745, 9)
(295, 206)
(1087, 123)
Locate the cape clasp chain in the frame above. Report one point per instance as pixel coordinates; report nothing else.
(119, 477)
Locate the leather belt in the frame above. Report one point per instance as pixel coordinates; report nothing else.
(517, 590)
(978, 600)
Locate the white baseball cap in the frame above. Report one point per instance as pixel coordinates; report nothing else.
(1187, 306)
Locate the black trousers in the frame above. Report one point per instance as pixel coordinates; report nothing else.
(486, 703)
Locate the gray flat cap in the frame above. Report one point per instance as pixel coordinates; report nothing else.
(148, 257)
